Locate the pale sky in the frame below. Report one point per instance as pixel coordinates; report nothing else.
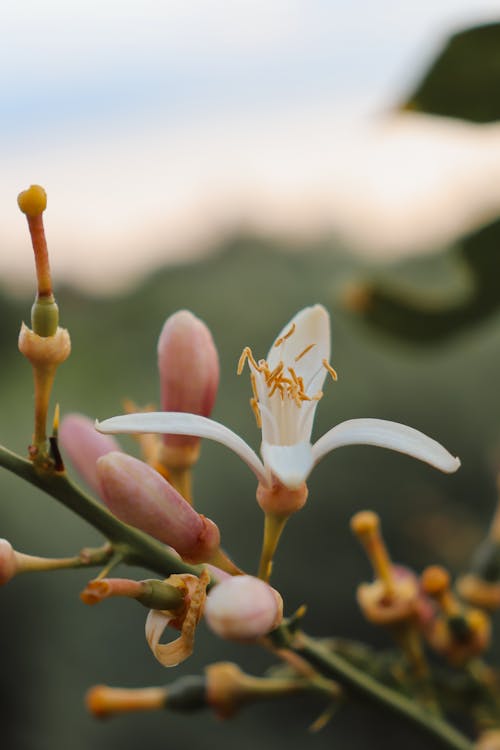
(157, 126)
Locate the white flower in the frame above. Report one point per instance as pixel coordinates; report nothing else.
(286, 390)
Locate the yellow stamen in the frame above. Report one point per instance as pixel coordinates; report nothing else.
(246, 354)
(330, 369)
(253, 381)
(255, 408)
(303, 353)
(286, 336)
(274, 374)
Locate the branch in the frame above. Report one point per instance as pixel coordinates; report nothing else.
(365, 686)
(136, 547)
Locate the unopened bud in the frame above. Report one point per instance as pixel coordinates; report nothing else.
(243, 608)
(141, 497)
(189, 372)
(83, 445)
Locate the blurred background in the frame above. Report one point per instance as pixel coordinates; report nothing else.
(244, 160)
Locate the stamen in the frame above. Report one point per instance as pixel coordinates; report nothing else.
(246, 354)
(302, 354)
(330, 369)
(253, 381)
(255, 408)
(286, 336)
(275, 374)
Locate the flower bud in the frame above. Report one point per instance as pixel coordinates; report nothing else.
(189, 370)
(243, 608)
(141, 497)
(83, 445)
(8, 562)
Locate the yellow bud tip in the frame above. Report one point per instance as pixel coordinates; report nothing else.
(435, 580)
(365, 522)
(32, 201)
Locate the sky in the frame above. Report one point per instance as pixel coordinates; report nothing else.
(156, 127)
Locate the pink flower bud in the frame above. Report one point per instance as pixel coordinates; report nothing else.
(8, 563)
(189, 370)
(83, 445)
(141, 497)
(243, 608)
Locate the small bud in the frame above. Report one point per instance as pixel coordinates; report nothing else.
(83, 445)
(8, 562)
(243, 608)
(189, 372)
(141, 497)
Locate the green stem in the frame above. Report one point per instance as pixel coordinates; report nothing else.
(136, 547)
(86, 559)
(359, 682)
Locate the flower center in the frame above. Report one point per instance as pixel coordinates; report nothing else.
(281, 379)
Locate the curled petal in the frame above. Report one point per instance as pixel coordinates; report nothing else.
(173, 653)
(384, 434)
(291, 464)
(179, 423)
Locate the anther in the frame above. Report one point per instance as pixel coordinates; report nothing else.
(330, 369)
(303, 353)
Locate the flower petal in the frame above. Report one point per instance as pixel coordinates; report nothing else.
(380, 432)
(173, 653)
(291, 464)
(180, 423)
(312, 326)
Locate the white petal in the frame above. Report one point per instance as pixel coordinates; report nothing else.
(312, 326)
(386, 434)
(181, 423)
(291, 464)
